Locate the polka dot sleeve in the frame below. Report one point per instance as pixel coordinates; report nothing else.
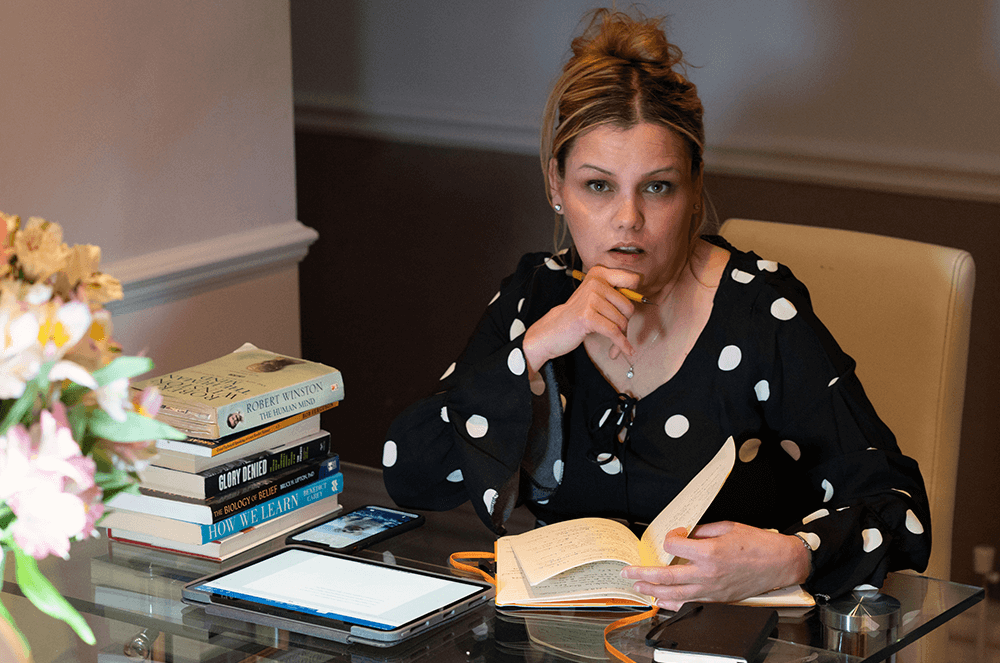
(468, 441)
(865, 509)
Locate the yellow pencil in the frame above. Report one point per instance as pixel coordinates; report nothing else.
(631, 294)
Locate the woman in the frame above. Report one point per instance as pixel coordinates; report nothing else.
(575, 400)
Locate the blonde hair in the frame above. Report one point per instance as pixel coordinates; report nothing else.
(623, 71)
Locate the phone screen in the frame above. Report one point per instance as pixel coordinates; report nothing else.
(352, 528)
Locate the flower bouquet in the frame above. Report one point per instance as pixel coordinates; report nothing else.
(70, 436)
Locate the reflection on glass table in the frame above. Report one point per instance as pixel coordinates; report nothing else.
(131, 598)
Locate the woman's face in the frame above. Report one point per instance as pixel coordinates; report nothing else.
(629, 198)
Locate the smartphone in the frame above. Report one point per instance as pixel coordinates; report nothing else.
(357, 529)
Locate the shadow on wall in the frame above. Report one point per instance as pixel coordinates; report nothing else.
(414, 242)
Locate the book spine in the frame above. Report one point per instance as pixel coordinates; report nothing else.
(273, 508)
(301, 416)
(237, 474)
(280, 403)
(272, 487)
(200, 446)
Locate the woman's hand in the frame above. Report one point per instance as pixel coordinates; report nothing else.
(726, 562)
(594, 308)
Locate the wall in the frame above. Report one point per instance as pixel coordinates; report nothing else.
(892, 95)
(163, 133)
(866, 116)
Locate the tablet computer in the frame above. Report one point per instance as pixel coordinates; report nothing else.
(337, 597)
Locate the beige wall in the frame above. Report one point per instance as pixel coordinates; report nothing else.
(158, 130)
(162, 132)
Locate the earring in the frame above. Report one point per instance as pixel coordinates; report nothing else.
(558, 208)
(697, 207)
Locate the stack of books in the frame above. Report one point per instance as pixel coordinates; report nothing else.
(255, 464)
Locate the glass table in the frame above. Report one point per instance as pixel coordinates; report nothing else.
(130, 596)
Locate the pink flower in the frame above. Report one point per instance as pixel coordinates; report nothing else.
(48, 484)
(15, 462)
(56, 453)
(94, 508)
(148, 402)
(136, 455)
(46, 521)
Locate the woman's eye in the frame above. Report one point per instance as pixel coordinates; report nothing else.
(659, 187)
(600, 186)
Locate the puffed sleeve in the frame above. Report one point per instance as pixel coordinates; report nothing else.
(468, 440)
(865, 511)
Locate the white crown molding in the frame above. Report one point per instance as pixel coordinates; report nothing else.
(183, 271)
(792, 160)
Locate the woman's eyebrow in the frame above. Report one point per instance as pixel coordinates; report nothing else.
(656, 171)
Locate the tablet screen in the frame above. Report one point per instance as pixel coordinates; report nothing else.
(345, 589)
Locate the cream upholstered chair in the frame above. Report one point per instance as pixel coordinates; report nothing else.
(902, 309)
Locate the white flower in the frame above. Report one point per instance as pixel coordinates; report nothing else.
(68, 370)
(61, 327)
(113, 398)
(38, 294)
(20, 353)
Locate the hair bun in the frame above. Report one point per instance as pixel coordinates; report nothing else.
(619, 36)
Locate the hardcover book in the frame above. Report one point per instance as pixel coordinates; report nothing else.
(288, 427)
(578, 562)
(198, 533)
(206, 512)
(243, 390)
(234, 475)
(237, 543)
(182, 461)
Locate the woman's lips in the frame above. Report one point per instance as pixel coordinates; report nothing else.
(628, 250)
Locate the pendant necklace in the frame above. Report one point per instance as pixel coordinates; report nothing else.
(631, 367)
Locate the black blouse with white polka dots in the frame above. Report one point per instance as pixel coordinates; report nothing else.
(813, 459)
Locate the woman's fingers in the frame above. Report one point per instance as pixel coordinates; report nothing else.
(617, 278)
(726, 561)
(594, 308)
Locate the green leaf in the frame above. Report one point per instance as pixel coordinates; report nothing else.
(21, 406)
(72, 394)
(114, 482)
(4, 613)
(46, 598)
(135, 428)
(123, 367)
(76, 416)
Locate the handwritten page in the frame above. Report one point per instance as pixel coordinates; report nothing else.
(549, 550)
(600, 579)
(688, 507)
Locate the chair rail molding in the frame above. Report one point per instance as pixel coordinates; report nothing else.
(183, 271)
(881, 168)
(515, 131)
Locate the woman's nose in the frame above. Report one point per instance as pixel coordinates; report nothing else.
(629, 215)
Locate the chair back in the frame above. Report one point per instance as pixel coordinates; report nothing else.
(902, 310)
